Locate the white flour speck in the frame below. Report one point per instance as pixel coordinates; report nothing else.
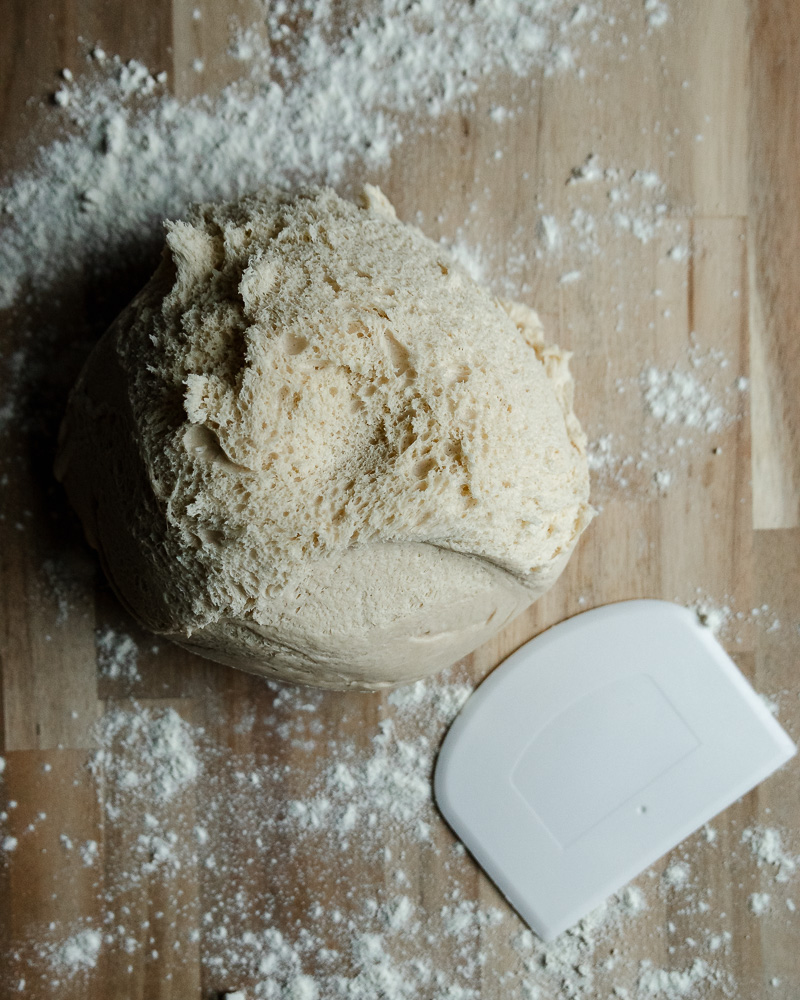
(713, 617)
(678, 253)
(78, 953)
(588, 172)
(117, 656)
(550, 233)
(676, 875)
(150, 749)
(766, 846)
(674, 984)
(677, 397)
(759, 903)
(89, 852)
(657, 13)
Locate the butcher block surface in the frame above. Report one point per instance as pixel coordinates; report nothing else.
(191, 886)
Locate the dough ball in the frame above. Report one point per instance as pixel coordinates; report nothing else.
(313, 448)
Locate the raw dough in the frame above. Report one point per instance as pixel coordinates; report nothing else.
(313, 448)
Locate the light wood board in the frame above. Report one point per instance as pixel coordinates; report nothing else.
(711, 104)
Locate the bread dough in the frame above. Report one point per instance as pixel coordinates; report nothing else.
(313, 448)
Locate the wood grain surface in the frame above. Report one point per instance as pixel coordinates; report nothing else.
(712, 104)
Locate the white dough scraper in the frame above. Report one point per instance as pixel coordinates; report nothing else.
(595, 749)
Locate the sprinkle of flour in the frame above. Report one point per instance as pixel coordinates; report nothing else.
(587, 172)
(662, 479)
(680, 406)
(766, 846)
(146, 752)
(632, 900)
(89, 852)
(657, 13)
(678, 253)
(78, 953)
(117, 656)
(759, 903)
(676, 397)
(132, 156)
(550, 233)
(676, 875)
(600, 452)
(633, 206)
(674, 984)
(392, 781)
(713, 617)
(364, 800)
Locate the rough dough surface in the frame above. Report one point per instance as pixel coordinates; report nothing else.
(312, 447)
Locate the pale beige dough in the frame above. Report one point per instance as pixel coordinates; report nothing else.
(313, 448)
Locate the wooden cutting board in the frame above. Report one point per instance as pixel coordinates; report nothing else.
(710, 103)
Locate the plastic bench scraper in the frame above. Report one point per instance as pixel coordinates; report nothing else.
(595, 749)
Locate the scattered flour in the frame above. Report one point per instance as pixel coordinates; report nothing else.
(117, 656)
(588, 172)
(146, 752)
(634, 205)
(60, 581)
(632, 900)
(608, 465)
(673, 984)
(766, 846)
(657, 13)
(370, 801)
(391, 783)
(678, 405)
(676, 875)
(663, 480)
(468, 256)
(771, 704)
(128, 156)
(443, 701)
(676, 397)
(600, 452)
(759, 903)
(131, 155)
(89, 852)
(678, 253)
(638, 207)
(550, 233)
(713, 617)
(78, 953)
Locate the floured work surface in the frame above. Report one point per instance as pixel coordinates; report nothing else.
(171, 828)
